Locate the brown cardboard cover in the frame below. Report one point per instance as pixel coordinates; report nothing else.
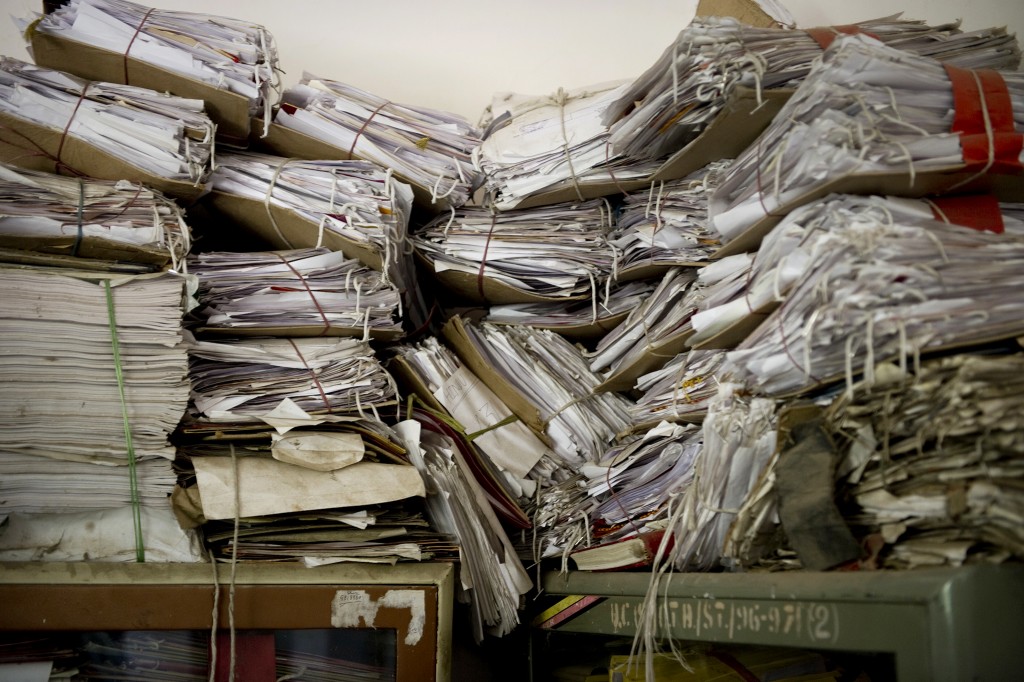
(951, 179)
(746, 11)
(296, 232)
(581, 332)
(733, 335)
(33, 146)
(91, 247)
(228, 110)
(738, 124)
(655, 357)
(455, 334)
(284, 141)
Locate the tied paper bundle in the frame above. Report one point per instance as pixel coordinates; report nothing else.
(632, 485)
(672, 103)
(651, 335)
(679, 391)
(789, 249)
(876, 291)
(932, 459)
(286, 381)
(490, 572)
(531, 255)
(426, 148)
(546, 149)
(229, 63)
(354, 207)
(304, 292)
(90, 220)
(666, 225)
(877, 119)
(126, 368)
(547, 383)
(521, 459)
(58, 122)
(576, 319)
(739, 435)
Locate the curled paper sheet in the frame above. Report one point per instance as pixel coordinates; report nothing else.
(318, 450)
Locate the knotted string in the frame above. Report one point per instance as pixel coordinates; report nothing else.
(316, 380)
(352, 149)
(483, 258)
(269, 194)
(561, 98)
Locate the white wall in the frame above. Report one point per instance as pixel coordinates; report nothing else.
(454, 54)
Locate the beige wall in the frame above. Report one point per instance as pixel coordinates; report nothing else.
(454, 54)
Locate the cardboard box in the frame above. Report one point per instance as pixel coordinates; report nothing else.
(230, 111)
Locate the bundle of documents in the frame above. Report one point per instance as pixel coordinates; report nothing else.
(232, 64)
(90, 219)
(739, 435)
(876, 291)
(529, 255)
(866, 109)
(427, 148)
(351, 206)
(576, 319)
(489, 569)
(680, 390)
(789, 249)
(549, 386)
(547, 149)
(103, 130)
(633, 483)
(287, 379)
(671, 103)
(932, 459)
(93, 360)
(303, 292)
(437, 374)
(651, 335)
(666, 225)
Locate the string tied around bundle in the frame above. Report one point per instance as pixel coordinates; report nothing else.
(560, 99)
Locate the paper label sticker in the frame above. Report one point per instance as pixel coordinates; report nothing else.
(355, 608)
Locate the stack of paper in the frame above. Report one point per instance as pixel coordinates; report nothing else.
(99, 357)
(520, 457)
(91, 219)
(550, 148)
(304, 292)
(429, 149)
(651, 335)
(671, 103)
(209, 56)
(47, 381)
(739, 439)
(680, 390)
(874, 291)
(866, 109)
(549, 253)
(666, 225)
(351, 206)
(104, 130)
(489, 569)
(577, 319)
(932, 459)
(553, 386)
(291, 379)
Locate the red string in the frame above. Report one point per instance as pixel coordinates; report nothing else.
(132, 42)
(363, 127)
(64, 135)
(824, 35)
(483, 259)
(319, 386)
(327, 324)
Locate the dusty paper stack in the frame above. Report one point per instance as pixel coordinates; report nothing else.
(228, 63)
(56, 122)
(102, 356)
(429, 149)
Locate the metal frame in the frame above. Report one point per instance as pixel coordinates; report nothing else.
(941, 624)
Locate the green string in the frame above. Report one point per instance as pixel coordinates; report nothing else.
(140, 549)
